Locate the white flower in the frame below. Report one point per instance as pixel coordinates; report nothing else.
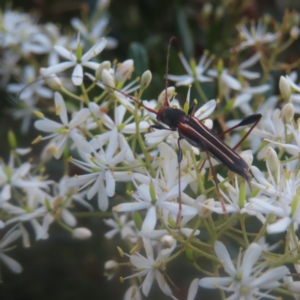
(41, 205)
(96, 32)
(133, 293)
(110, 268)
(162, 200)
(81, 233)
(17, 177)
(56, 38)
(193, 289)
(245, 281)
(256, 35)
(124, 126)
(9, 66)
(270, 127)
(246, 94)
(100, 168)
(25, 111)
(21, 32)
(61, 132)
(235, 202)
(159, 192)
(151, 268)
(289, 147)
(283, 187)
(120, 225)
(197, 73)
(228, 81)
(36, 206)
(77, 62)
(31, 86)
(12, 235)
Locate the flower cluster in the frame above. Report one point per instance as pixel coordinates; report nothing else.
(162, 192)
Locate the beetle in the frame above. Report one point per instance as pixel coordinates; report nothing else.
(198, 135)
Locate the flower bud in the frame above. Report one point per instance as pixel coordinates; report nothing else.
(247, 157)
(48, 151)
(110, 269)
(285, 88)
(287, 113)
(207, 9)
(219, 12)
(170, 94)
(78, 48)
(104, 65)
(152, 192)
(108, 79)
(37, 140)
(124, 71)
(133, 293)
(220, 66)
(294, 32)
(167, 241)
(81, 233)
(272, 159)
(23, 151)
(51, 80)
(294, 287)
(204, 211)
(208, 123)
(38, 114)
(12, 139)
(146, 79)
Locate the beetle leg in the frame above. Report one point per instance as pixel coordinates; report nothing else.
(179, 159)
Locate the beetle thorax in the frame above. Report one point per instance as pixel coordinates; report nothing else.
(170, 116)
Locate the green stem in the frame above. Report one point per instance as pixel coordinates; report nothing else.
(141, 142)
(200, 91)
(93, 214)
(242, 221)
(68, 93)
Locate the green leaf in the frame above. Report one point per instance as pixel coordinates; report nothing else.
(190, 255)
(138, 221)
(140, 56)
(12, 139)
(186, 38)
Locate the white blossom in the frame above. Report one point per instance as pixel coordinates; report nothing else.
(245, 280)
(61, 132)
(12, 235)
(256, 35)
(150, 267)
(77, 62)
(193, 72)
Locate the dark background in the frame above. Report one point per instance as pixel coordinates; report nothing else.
(63, 268)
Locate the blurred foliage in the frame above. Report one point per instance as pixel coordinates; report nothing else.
(64, 269)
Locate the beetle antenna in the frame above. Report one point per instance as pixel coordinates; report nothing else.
(124, 94)
(173, 38)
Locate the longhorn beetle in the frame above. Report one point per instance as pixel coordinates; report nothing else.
(198, 135)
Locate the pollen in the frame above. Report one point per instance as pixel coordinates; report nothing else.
(134, 249)
(58, 110)
(65, 131)
(39, 114)
(120, 251)
(104, 110)
(37, 140)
